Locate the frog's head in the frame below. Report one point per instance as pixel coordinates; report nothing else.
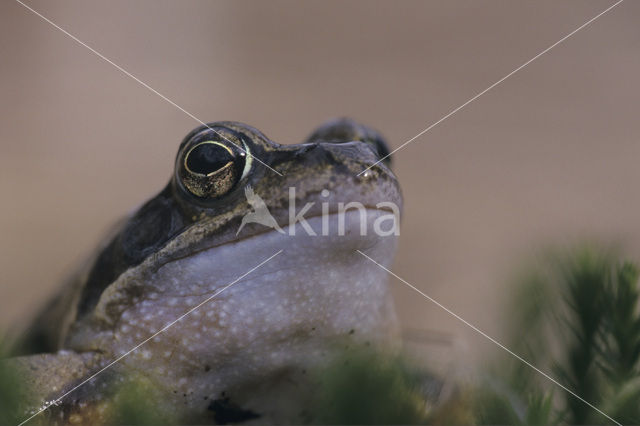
(208, 228)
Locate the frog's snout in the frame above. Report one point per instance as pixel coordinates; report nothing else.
(344, 130)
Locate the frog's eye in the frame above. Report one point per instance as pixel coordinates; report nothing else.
(210, 169)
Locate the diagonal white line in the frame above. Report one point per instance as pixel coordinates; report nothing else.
(128, 74)
(476, 329)
(163, 329)
(494, 85)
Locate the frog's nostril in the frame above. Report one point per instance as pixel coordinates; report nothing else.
(382, 149)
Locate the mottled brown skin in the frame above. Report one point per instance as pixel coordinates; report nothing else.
(126, 293)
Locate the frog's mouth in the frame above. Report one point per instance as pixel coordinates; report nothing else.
(355, 228)
(324, 221)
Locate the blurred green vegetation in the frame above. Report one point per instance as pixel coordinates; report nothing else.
(366, 387)
(575, 315)
(10, 391)
(137, 402)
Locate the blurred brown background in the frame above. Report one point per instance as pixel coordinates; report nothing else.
(548, 157)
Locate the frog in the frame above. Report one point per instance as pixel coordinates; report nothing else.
(224, 316)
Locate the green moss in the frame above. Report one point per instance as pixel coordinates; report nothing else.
(138, 403)
(11, 389)
(576, 315)
(365, 387)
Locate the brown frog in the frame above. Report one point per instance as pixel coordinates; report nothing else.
(224, 289)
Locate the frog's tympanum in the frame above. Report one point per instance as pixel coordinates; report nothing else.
(244, 355)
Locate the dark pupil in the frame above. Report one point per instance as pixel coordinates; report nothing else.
(208, 158)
